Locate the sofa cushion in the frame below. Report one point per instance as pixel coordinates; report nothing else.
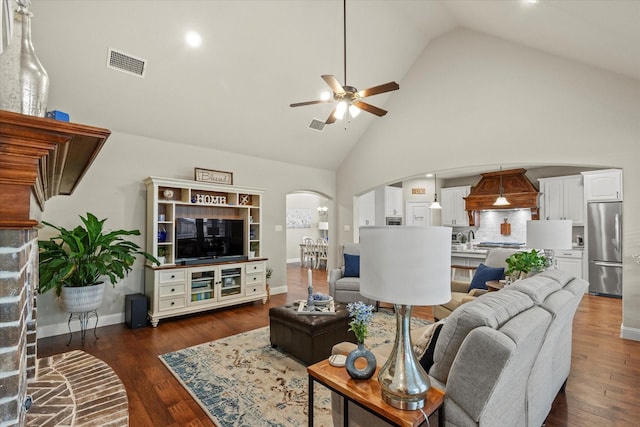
(348, 284)
(484, 274)
(537, 287)
(351, 265)
(492, 309)
(562, 277)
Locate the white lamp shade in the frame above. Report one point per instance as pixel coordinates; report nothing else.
(406, 265)
(552, 234)
(323, 225)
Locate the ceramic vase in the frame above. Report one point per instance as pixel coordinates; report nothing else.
(25, 83)
(363, 373)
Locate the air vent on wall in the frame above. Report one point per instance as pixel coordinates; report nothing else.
(317, 125)
(117, 60)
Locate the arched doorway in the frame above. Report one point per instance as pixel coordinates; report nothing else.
(309, 214)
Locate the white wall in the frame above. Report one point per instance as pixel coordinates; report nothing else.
(475, 100)
(113, 189)
(295, 235)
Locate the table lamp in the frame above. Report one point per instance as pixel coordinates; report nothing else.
(406, 266)
(549, 235)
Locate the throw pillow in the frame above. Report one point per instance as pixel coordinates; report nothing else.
(484, 274)
(427, 358)
(351, 265)
(420, 345)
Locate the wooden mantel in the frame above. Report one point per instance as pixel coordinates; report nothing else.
(44, 156)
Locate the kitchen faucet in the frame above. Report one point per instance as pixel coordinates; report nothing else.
(470, 235)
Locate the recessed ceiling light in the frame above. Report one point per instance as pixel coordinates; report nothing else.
(193, 39)
(530, 1)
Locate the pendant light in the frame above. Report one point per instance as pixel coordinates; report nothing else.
(435, 204)
(501, 200)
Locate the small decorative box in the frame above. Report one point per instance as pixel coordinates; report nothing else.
(58, 115)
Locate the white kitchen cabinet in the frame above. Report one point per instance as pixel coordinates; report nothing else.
(563, 198)
(393, 201)
(603, 185)
(570, 261)
(452, 202)
(367, 209)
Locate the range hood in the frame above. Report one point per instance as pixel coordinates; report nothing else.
(517, 188)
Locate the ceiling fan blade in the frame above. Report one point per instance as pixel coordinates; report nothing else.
(331, 118)
(333, 83)
(387, 87)
(370, 108)
(300, 104)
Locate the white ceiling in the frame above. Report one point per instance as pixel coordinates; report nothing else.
(257, 57)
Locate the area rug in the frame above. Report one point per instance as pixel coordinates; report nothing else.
(242, 381)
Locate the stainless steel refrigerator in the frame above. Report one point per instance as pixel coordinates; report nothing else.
(604, 225)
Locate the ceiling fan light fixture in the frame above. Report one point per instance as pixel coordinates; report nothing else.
(347, 94)
(341, 108)
(354, 111)
(325, 95)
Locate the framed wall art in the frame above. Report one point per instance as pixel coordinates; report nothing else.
(213, 176)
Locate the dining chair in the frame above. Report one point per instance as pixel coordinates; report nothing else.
(322, 247)
(309, 251)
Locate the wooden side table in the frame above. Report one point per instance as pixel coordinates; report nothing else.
(367, 395)
(494, 285)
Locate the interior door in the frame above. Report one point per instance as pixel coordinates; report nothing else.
(418, 214)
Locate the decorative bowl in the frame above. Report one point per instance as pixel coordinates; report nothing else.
(322, 299)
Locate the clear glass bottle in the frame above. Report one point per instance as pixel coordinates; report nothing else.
(25, 83)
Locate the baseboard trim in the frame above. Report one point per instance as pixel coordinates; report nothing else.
(45, 331)
(629, 333)
(279, 290)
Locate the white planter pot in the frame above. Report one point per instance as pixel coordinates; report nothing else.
(83, 299)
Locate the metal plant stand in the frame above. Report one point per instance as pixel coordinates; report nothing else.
(83, 317)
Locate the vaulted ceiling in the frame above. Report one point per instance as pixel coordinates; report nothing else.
(233, 92)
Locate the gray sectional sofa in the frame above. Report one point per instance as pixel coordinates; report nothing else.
(501, 358)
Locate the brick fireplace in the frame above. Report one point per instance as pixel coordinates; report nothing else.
(39, 158)
(18, 276)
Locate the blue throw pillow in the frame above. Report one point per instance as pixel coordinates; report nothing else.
(351, 265)
(485, 274)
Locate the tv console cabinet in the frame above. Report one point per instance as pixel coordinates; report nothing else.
(176, 289)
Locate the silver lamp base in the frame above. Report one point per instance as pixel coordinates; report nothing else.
(403, 382)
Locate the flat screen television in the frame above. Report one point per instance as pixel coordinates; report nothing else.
(203, 239)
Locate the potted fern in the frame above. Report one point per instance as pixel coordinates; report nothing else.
(73, 262)
(522, 264)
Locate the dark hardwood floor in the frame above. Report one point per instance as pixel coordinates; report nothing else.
(602, 388)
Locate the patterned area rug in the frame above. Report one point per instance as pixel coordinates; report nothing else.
(242, 381)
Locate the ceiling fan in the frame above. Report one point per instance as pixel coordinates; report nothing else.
(348, 97)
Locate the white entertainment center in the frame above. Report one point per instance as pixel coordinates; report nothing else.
(208, 236)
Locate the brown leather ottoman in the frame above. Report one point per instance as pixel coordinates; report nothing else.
(309, 337)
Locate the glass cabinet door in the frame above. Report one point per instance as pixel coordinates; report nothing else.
(231, 282)
(203, 285)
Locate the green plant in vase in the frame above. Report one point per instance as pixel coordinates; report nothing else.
(521, 264)
(80, 257)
